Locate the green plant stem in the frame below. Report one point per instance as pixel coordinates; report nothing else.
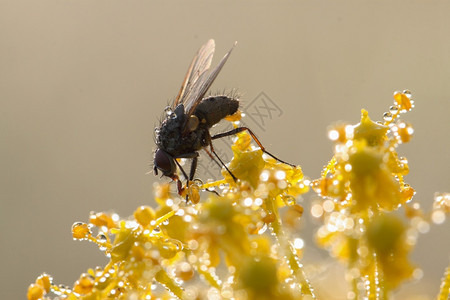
(377, 289)
(293, 260)
(165, 280)
(210, 278)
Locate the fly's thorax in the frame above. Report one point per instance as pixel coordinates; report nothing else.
(169, 131)
(172, 138)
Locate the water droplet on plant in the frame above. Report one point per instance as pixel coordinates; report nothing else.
(263, 229)
(298, 243)
(393, 109)
(193, 244)
(417, 273)
(289, 200)
(98, 271)
(102, 239)
(407, 93)
(333, 134)
(387, 116)
(80, 230)
(438, 216)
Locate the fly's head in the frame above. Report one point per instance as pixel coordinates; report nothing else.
(165, 163)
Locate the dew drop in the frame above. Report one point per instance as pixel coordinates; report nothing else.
(417, 273)
(407, 93)
(264, 176)
(227, 292)
(64, 289)
(423, 227)
(438, 216)
(80, 231)
(403, 160)
(333, 134)
(101, 238)
(289, 200)
(168, 110)
(248, 201)
(258, 201)
(316, 210)
(98, 271)
(263, 229)
(387, 116)
(282, 184)
(328, 205)
(393, 109)
(280, 175)
(298, 243)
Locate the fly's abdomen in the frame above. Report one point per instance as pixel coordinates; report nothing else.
(213, 109)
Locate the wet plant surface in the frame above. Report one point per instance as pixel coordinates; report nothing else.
(242, 242)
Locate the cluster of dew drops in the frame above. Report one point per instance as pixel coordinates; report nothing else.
(399, 132)
(402, 132)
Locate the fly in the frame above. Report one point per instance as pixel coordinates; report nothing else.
(185, 129)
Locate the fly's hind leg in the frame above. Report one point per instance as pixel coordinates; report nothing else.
(240, 129)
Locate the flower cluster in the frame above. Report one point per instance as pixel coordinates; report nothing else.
(227, 246)
(360, 188)
(243, 242)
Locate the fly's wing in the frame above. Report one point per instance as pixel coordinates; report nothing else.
(200, 64)
(202, 84)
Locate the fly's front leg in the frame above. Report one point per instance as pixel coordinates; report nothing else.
(194, 156)
(193, 167)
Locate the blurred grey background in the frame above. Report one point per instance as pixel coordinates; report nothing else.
(83, 84)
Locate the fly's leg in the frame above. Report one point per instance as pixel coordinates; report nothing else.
(175, 178)
(179, 185)
(193, 168)
(240, 129)
(194, 156)
(182, 170)
(221, 162)
(209, 141)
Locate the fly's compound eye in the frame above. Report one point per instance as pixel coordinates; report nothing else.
(164, 162)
